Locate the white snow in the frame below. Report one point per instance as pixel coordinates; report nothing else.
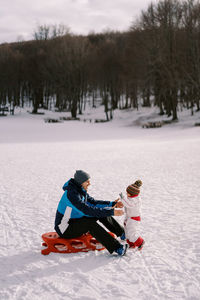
(36, 158)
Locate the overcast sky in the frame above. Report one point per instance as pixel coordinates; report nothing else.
(19, 18)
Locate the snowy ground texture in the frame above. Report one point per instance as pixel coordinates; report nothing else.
(36, 158)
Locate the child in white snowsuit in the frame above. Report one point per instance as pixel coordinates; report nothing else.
(132, 207)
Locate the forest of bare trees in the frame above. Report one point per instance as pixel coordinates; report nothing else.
(155, 62)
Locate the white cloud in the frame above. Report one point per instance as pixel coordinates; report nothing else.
(20, 17)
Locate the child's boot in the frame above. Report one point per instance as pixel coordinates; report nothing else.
(141, 246)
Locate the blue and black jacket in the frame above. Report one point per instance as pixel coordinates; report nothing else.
(76, 203)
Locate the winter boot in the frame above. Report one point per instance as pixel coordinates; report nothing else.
(141, 246)
(121, 250)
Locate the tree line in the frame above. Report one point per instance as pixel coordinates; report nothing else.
(156, 61)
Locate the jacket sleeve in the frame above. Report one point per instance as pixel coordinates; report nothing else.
(99, 203)
(93, 211)
(125, 202)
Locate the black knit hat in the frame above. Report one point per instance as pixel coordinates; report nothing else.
(80, 176)
(134, 189)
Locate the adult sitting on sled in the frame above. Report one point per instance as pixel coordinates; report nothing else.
(78, 213)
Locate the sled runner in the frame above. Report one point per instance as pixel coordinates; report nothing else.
(84, 243)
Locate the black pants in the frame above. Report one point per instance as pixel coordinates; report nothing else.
(77, 227)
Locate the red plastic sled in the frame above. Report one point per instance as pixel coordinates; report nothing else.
(84, 243)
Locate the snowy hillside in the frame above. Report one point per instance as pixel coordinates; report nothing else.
(36, 158)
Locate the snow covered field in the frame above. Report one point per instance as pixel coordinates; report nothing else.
(36, 158)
